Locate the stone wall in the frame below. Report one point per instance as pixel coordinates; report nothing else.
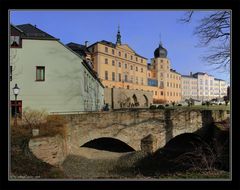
(118, 98)
(131, 127)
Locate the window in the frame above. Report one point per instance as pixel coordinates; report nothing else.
(119, 64)
(170, 93)
(136, 68)
(131, 57)
(141, 60)
(106, 49)
(10, 75)
(156, 93)
(119, 53)
(15, 41)
(119, 77)
(142, 81)
(113, 63)
(113, 76)
(161, 74)
(125, 78)
(167, 75)
(161, 93)
(206, 82)
(106, 75)
(137, 80)
(161, 60)
(142, 70)
(125, 55)
(131, 67)
(161, 66)
(148, 74)
(131, 78)
(106, 61)
(113, 51)
(85, 82)
(176, 85)
(167, 84)
(125, 65)
(201, 81)
(136, 59)
(40, 73)
(167, 93)
(161, 84)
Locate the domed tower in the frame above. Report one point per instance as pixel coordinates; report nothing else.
(160, 52)
(161, 65)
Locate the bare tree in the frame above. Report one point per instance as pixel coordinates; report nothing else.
(213, 32)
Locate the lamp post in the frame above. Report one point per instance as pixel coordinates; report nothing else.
(15, 92)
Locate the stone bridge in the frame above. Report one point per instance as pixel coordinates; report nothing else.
(129, 127)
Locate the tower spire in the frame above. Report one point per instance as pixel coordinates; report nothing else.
(118, 42)
(160, 39)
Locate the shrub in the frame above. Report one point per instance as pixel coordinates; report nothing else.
(166, 105)
(179, 104)
(153, 107)
(203, 103)
(161, 107)
(33, 118)
(220, 103)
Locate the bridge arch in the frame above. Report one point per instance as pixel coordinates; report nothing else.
(108, 144)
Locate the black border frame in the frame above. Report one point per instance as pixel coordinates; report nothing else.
(234, 5)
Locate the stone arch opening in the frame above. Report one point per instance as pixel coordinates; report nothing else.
(135, 101)
(146, 100)
(108, 144)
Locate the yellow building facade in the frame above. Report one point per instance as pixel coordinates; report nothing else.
(119, 66)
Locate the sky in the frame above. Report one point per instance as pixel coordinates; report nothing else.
(142, 30)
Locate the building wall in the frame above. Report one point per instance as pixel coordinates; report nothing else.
(189, 88)
(220, 88)
(124, 98)
(203, 87)
(169, 82)
(64, 88)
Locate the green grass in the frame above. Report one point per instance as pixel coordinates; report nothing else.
(200, 107)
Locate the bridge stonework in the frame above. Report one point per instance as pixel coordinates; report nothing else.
(129, 127)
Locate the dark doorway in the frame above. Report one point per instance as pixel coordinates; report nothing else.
(146, 100)
(16, 108)
(109, 144)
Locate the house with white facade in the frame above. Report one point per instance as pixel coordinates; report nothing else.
(202, 86)
(189, 87)
(50, 75)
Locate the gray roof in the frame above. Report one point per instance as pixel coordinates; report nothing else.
(174, 71)
(113, 45)
(30, 31)
(219, 79)
(188, 76)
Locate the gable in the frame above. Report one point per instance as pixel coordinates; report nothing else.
(127, 48)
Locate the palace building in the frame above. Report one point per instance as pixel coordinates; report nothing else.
(119, 66)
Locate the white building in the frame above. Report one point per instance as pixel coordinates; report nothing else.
(50, 75)
(202, 86)
(189, 87)
(220, 88)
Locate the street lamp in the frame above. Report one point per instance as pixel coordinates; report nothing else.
(15, 92)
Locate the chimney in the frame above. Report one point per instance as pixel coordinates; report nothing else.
(86, 43)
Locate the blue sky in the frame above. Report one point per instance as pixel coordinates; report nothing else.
(141, 30)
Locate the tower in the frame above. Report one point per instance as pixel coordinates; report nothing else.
(118, 42)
